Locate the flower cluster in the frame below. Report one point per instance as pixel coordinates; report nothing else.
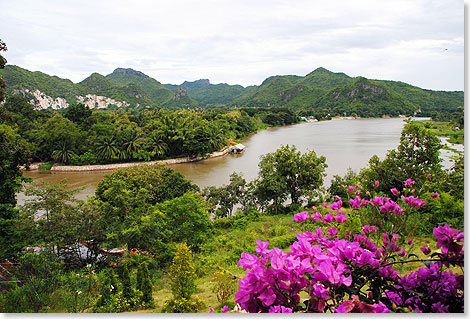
(353, 273)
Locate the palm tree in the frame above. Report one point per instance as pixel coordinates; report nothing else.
(106, 148)
(159, 146)
(131, 144)
(63, 154)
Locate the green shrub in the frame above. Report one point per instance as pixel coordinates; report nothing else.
(46, 166)
(224, 284)
(283, 242)
(182, 274)
(108, 288)
(182, 305)
(126, 282)
(146, 285)
(40, 274)
(121, 303)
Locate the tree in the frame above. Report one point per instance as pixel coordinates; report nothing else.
(161, 182)
(416, 156)
(78, 113)
(186, 218)
(288, 173)
(225, 198)
(14, 152)
(146, 285)
(52, 215)
(126, 282)
(182, 273)
(63, 153)
(106, 148)
(3, 61)
(55, 131)
(131, 143)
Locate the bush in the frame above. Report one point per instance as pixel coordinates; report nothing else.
(46, 166)
(223, 285)
(40, 274)
(182, 274)
(182, 305)
(146, 285)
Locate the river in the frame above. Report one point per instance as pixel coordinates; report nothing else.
(344, 143)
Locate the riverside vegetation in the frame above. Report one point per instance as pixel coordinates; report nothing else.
(386, 239)
(341, 262)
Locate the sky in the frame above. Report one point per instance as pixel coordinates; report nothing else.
(420, 42)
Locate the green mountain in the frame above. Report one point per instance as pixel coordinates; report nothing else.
(18, 79)
(123, 85)
(321, 78)
(210, 94)
(321, 89)
(365, 98)
(151, 88)
(328, 90)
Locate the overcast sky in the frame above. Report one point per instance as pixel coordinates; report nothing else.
(420, 42)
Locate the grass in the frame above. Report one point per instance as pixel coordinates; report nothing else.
(445, 129)
(224, 249)
(46, 166)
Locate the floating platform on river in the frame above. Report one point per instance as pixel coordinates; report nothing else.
(238, 149)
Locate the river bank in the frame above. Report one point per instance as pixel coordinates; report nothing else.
(106, 167)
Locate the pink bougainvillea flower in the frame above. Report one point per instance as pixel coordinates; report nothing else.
(279, 309)
(425, 250)
(335, 275)
(332, 232)
(316, 216)
(337, 197)
(248, 260)
(377, 200)
(300, 217)
(350, 189)
(224, 309)
(410, 241)
(327, 218)
(336, 205)
(414, 202)
(429, 176)
(447, 239)
(435, 195)
(409, 182)
(345, 307)
(341, 218)
(376, 184)
(262, 247)
(395, 191)
(357, 202)
(211, 310)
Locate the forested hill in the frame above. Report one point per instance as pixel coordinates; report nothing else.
(326, 91)
(319, 91)
(122, 88)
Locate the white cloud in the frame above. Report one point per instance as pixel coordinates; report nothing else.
(241, 41)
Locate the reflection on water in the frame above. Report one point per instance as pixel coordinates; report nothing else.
(344, 143)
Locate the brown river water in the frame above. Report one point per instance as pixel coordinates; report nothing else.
(344, 143)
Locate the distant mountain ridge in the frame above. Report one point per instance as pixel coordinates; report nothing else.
(320, 89)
